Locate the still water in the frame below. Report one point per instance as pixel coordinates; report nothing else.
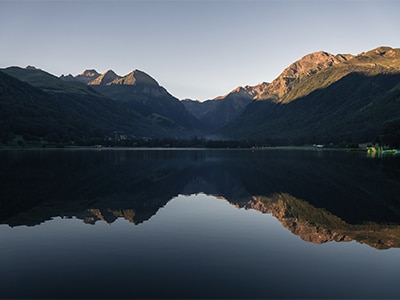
(198, 224)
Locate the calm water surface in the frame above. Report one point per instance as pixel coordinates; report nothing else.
(198, 224)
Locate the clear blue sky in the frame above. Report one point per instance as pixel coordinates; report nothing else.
(195, 49)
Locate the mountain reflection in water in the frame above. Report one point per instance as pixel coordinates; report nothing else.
(320, 196)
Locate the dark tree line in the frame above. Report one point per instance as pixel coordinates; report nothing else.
(390, 134)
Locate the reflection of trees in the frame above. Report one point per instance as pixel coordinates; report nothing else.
(342, 196)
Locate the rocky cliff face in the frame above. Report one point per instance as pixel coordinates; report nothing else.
(318, 226)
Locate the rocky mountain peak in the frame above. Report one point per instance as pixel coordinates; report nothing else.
(311, 64)
(104, 78)
(308, 65)
(90, 72)
(256, 90)
(87, 76)
(136, 77)
(247, 91)
(383, 56)
(68, 77)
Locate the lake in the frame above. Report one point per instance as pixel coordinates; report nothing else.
(193, 223)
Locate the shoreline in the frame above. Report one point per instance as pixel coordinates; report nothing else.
(300, 148)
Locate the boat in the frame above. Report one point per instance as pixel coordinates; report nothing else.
(380, 151)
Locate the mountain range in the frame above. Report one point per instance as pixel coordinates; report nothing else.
(320, 99)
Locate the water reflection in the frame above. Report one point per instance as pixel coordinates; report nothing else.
(319, 196)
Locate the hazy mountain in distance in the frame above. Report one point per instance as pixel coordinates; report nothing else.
(221, 110)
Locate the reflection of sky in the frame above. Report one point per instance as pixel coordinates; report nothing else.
(195, 246)
(196, 49)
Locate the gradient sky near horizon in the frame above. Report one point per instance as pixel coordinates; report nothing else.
(195, 49)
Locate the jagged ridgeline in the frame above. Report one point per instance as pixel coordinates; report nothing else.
(321, 98)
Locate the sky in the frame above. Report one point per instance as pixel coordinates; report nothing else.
(195, 49)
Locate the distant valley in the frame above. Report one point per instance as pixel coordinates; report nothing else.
(319, 99)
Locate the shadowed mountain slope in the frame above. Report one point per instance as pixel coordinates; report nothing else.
(139, 92)
(347, 111)
(48, 82)
(39, 104)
